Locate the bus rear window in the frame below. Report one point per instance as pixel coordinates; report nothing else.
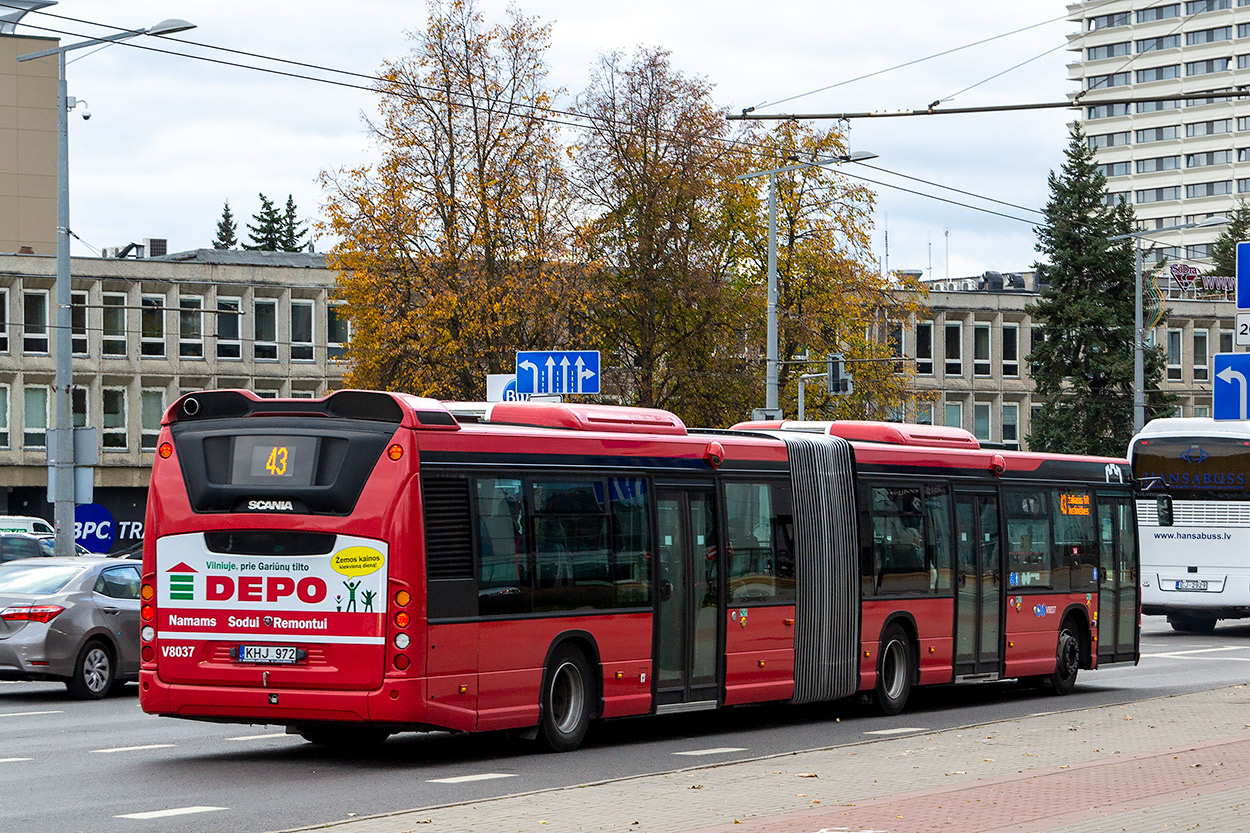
(1202, 468)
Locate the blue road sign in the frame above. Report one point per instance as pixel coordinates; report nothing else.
(1232, 377)
(557, 371)
(1243, 276)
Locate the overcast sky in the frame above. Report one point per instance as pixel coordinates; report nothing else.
(171, 138)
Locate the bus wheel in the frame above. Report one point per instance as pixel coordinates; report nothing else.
(894, 671)
(343, 737)
(1067, 662)
(1191, 622)
(93, 672)
(566, 696)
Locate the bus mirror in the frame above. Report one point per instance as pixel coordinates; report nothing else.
(1163, 506)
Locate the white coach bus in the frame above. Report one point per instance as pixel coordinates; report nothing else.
(1193, 513)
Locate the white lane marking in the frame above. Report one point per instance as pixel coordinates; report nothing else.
(28, 714)
(902, 730)
(13, 760)
(719, 750)
(176, 811)
(260, 737)
(132, 748)
(1208, 659)
(1195, 651)
(464, 779)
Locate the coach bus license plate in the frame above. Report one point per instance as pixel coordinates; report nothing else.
(275, 654)
(1191, 585)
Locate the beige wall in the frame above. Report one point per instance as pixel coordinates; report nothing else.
(27, 146)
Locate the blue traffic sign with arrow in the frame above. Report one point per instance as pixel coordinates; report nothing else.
(1232, 377)
(557, 371)
(1242, 270)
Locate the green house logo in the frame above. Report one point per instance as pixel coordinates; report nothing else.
(182, 582)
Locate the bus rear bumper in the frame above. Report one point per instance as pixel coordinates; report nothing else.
(396, 703)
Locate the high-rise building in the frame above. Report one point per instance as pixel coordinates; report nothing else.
(1160, 104)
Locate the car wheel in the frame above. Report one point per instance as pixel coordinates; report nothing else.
(567, 695)
(93, 672)
(894, 671)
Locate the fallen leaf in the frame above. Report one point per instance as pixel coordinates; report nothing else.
(808, 775)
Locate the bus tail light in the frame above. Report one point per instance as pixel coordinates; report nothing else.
(401, 662)
(395, 452)
(148, 613)
(402, 641)
(147, 654)
(402, 619)
(166, 450)
(146, 592)
(402, 598)
(148, 633)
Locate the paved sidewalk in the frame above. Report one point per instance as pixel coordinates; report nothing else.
(1172, 763)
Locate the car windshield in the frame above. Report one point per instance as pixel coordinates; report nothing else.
(36, 577)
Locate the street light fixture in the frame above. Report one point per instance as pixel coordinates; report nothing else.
(61, 448)
(771, 374)
(1139, 337)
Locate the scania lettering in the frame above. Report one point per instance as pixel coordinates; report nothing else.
(536, 566)
(270, 506)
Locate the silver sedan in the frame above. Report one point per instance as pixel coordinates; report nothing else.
(70, 619)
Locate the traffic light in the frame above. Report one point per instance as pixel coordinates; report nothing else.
(840, 382)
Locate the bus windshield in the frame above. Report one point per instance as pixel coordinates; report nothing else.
(1195, 468)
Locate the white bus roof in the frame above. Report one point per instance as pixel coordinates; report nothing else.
(1193, 427)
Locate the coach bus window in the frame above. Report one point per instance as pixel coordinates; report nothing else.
(1075, 551)
(898, 541)
(937, 539)
(761, 551)
(503, 581)
(571, 566)
(1028, 538)
(631, 541)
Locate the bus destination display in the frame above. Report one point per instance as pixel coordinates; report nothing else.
(273, 460)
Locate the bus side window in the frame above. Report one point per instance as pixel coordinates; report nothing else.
(761, 552)
(503, 557)
(937, 507)
(1028, 538)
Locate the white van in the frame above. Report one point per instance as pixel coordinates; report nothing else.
(24, 523)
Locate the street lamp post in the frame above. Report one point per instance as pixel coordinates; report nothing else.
(771, 363)
(1139, 336)
(61, 449)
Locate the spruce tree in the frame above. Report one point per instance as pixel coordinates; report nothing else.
(1083, 367)
(266, 234)
(1224, 249)
(226, 228)
(292, 234)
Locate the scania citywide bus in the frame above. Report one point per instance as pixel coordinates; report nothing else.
(372, 563)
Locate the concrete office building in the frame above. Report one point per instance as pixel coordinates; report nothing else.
(146, 331)
(1178, 151)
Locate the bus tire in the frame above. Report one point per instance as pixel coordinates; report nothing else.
(567, 693)
(343, 737)
(1067, 661)
(895, 671)
(94, 672)
(1191, 623)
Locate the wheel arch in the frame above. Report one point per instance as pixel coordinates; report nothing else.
(1078, 615)
(907, 622)
(585, 642)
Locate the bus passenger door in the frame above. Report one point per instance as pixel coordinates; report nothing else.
(1117, 580)
(688, 617)
(978, 597)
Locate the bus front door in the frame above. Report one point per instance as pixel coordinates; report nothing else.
(688, 617)
(978, 599)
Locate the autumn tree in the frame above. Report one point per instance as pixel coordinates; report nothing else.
(831, 296)
(453, 244)
(226, 230)
(657, 182)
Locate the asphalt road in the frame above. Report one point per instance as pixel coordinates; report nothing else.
(71, 766)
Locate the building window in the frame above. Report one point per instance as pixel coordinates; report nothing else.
(1145, 76)
(1201, 36)
(1210, 157)
(1113, 79)
(1175, 371)
(113, 433)
(1172, 192)
(1226, 341)
(954, 349)
(1011, 425)
(1158, 134)
(297, 393)
(981, 350)
(1107, 21)
(1202, 410)
(924, 348)
(339, 329)
(152, 326)
(191, 327)
(1158, 44)
(1208, 128)
(152, 408)
(1209, 189)
(35, 322)
(4, 320)
(229, 341)
(78, 323)
(981, 420)
(1011, 351)
(78, 407)
(1158, 104)
(1158, 163)
(266, 329)
(1243, 30)
(1114, 198)
(1107, 50)
(1208, 66)
(4, 416)
(35, 433)
(1243, 186)
(1198, 251)
(1107, 111)
(1243, 61)
(1116, 169)
(924, 413)
(113, 332)
(1201, 371)
(954, 415)
(301, 331)
(1108, 140)
(1159, 13)
(1036, 339)
(1200, 6)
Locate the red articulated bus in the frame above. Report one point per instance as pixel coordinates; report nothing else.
(371, 563)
